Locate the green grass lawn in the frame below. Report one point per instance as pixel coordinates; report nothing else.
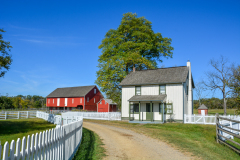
(91, 147)
(198, 140)
(18, 128)
(219, 111)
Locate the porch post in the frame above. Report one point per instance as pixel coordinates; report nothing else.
(163, 113)
(151, 111)
(139, 110)
(129, 110)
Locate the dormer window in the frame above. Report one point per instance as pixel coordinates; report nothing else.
(162, 89)
(137, 90)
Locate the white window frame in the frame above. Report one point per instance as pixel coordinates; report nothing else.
(48, 100)
(53, 101)
(80, 100)
(72, 100)
(95, 91)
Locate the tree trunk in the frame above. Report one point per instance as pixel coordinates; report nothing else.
(225, 106)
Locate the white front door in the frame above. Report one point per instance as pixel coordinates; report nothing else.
(203, 112)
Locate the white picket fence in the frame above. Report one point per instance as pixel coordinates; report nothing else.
(60, 143)
(17, 115)
(205, 119)
(94, 115)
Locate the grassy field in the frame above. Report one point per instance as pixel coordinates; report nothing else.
(91, 147)
(197, 140)
(18, 128)
(214, 111)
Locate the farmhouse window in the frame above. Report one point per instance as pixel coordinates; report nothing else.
(53, 101)
(48, 100)
(137, 90)
(72, 101)
(95, 91)
(162, 89)
(169, 108)
(87, 99)
(80, 100)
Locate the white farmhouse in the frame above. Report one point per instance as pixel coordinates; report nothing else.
(158, 94)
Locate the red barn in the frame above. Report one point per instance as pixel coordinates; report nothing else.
(83, 97)
(106, 105)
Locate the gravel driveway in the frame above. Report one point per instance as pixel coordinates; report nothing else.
(125, 144)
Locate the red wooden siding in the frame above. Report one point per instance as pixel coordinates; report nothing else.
(91, 105)
(102, 107)
(206, 111)
(105, 107)
(76, 101)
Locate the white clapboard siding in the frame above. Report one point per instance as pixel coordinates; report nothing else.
(59, 143)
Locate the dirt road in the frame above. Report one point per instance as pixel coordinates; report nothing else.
(125, 144)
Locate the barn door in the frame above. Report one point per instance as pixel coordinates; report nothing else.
(203, 112)
(58, 102)
(66, 101)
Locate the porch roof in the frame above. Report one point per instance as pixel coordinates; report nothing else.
(138, 98)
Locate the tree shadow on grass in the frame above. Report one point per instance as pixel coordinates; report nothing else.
(86, 149)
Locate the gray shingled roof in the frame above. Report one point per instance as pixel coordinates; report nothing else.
(109, 101)
(202, 107)
(160, 97)
(71, 91)
(156, 76)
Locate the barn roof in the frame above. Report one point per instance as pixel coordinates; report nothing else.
(157, 76)
(109, 101)
(202, 107)
(137, 98)
(71, 91)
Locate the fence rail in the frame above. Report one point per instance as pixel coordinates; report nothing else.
(205, 119)
(59, 143)
(226, 130)
(95, 115)
(17, 115)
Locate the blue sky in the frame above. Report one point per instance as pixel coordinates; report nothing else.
(55, 43)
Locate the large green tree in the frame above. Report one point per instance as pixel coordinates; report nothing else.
(5, 58)
(235, 85)
(132, 45)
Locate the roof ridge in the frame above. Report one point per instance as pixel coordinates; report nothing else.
(77, 86)
(159, 68)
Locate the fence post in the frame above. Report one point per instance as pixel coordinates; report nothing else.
(204, 119)
(5, 115)
(217, 120)
(194, 118)
(18, 114)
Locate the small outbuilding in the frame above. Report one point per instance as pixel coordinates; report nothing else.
(203, 110)
(106, 105)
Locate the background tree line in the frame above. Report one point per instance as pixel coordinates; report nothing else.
(216, 103)
(22, 102)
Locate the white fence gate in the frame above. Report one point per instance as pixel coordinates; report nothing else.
(205, 119)
(60, 143)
